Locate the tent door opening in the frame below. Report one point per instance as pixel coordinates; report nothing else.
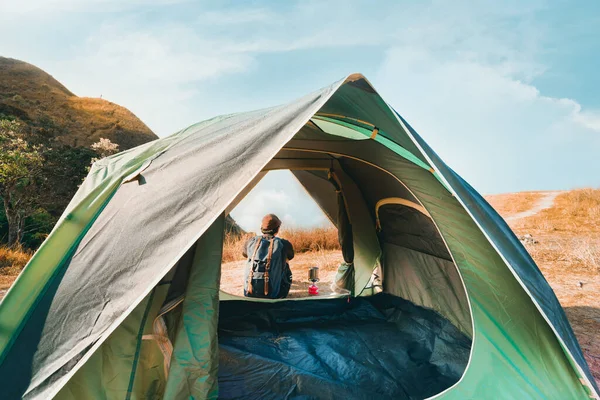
(394, 344)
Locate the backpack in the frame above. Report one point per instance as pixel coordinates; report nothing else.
(267, 273)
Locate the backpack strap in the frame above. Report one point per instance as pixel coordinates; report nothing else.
(258, 243)
(268, 266)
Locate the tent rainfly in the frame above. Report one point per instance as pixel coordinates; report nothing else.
(122, 300)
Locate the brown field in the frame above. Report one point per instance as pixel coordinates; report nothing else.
(566, 247)
(304, 240)
(574, 213)
(12, 261)
(567, 250)
(513, 203)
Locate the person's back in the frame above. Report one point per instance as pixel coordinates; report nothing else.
(267, 272)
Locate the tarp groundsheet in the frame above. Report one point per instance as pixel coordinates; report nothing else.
(369, 347)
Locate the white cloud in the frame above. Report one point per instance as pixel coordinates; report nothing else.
(161, 56)
(463, 73)
(52, 7)
(587, 119)
(159, 70)
(260, 202)
(494, 129)
(281, 194)
(152, 73)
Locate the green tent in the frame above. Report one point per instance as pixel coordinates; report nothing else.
(122, 300)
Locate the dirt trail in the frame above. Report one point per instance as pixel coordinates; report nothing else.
(547, 201)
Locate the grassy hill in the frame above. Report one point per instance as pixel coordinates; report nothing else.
(63, 127)
(40, 101)
(232, 228)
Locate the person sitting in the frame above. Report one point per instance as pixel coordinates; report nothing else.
(267, 273)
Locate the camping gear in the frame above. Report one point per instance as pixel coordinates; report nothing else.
(146, 227)
(266, 272)
(313, 274)
(313, 277)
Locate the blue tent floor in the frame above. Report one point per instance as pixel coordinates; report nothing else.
(370, 347)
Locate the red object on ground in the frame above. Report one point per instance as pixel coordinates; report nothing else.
(313, 290)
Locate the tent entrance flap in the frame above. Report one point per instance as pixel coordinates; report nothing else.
(377, 346)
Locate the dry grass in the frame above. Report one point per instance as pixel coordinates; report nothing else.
(303, 240)
(513, 203)
(38, 99)
(233, 245)
(568, 254)
(571, 265)
(12, 261)
(311, 240)
(574, 212)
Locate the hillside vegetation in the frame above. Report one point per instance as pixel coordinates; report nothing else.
(43, 103)
(48, 138)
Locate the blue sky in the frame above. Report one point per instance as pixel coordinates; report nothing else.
(507, 92)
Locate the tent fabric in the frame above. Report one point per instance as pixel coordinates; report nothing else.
(344, 226)
(345, 276)
(126, 366)
(182, 191)
(331, 349)
(109, 373)
(365, 243)
(194, 364)
(407, 227)
(515, 255)
(488, 282)
(321, 191)
(140, 211)
(426, 280)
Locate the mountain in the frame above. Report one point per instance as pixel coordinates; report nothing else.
(232, 227)
(66, 125)
(36, 98)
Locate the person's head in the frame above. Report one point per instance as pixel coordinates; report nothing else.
(270, 224)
